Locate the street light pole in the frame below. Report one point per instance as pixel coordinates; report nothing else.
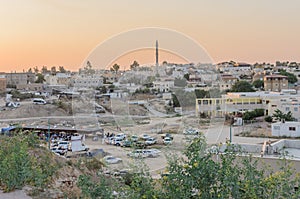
(230, 133)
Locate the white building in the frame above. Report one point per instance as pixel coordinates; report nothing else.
(288, 129)
(163, 85)
(87, 81)
(285, 105)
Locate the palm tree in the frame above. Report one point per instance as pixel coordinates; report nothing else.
(115, 68)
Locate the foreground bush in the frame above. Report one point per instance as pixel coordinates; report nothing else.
(21, 163)
(200, 173)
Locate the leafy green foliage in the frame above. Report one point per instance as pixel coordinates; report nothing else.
(187, 76)
(212, 93)
(200, 173)
(205, 174)
(21, 96)
(40, 78)
(291, 77)
(18, 167)
(180, 82)
(268, 119)
(249, 115)
(90, 189)
(242, 86)
(279, 115)
(258, 83)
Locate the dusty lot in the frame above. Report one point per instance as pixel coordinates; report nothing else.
(153, 127)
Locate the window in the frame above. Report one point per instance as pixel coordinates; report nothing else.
(287, 108)
(295, 108)
(292, 128)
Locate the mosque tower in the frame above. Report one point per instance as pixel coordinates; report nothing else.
(156, 54)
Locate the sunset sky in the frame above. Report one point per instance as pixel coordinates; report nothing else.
(64, 32)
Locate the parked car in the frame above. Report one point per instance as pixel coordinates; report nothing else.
(109, 140)
(138, 153)
(191, 132)
(117, 141)
(150, 141)
(112, 160)
(39, 101)
(150, 153)
(167, 140)
(120, 136)
(163, 136)
(145, 136)
(59, 150)
(64, 144)
(134, 138)
(126, 143)
(155, 151)
(139, 145)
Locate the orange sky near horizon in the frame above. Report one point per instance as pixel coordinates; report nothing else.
(146, 57)
(64, 32)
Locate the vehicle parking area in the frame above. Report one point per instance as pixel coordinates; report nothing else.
(141, 144)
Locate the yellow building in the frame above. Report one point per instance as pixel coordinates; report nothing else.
(218, 107)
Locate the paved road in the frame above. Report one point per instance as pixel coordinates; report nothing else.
(220, 133)
(18, 194)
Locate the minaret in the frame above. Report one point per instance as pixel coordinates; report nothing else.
(156, 53)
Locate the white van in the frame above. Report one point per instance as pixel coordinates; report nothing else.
(39, 101)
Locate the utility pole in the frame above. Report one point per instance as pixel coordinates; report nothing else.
(48, 133)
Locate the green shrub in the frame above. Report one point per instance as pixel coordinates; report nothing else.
(268, 119)
(18, 167)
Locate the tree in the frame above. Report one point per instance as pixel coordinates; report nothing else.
(258, 83)
(242, 86)
(291, 77)
(180, 82)
(88, 69)
(175, 101)
(115, 68)
(268, 119)
(88, 65)
(134, 65)
(187, 76)
(279, 115)
(214, 93)
(102, 89)
(40, 78)
(29, 70)
(200, 93)
(62, 69)
(165, 62)
(36, 70)
(44, 70)
(53, 70)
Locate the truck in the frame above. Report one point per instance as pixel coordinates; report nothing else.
(77, 143)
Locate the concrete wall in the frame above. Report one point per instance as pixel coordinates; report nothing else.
(284, 129)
